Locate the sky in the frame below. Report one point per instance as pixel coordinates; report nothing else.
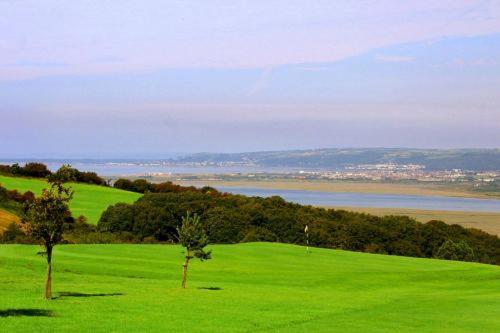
(150, 78)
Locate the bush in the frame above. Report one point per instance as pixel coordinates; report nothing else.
(16, 196)
(68, 174)
(451, 250)
(3, 194)
(123, 184)
(33, 169)
(14, 235)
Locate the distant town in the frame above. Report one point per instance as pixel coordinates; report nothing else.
(361, 172)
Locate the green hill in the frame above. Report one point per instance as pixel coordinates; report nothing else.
(89, 200)
(252, 287)
(433, 159)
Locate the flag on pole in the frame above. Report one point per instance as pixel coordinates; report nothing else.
(306, 229)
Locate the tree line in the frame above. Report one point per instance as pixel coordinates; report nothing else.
(65, 173)
(229, 218)
(143, 186)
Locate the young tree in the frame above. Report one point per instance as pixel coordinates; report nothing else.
(193, 237)
(44, 221)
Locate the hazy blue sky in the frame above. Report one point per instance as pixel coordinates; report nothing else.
(137, 78)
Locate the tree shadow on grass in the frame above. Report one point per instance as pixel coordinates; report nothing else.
(210, 288)
(26, 313)
(75, 294)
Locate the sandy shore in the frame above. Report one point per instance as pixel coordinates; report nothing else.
(357, 187)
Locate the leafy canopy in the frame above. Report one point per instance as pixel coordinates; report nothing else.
(46, 215)
(193, 237)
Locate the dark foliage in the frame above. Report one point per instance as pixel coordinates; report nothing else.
(143, 186)
(65, 173)
(68, 174)
(451, 250)
(16, 196)
(4, 196)
(13, 196)
(32, 169)
(229, 218)
(14, 235)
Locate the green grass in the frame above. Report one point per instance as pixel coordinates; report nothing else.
(89, 200)
(256, 287)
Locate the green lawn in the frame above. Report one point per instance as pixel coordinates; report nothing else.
(253, 287)
(89, 200)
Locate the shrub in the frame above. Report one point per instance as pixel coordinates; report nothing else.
(68, 174)
(34, 169)
(14, 234)
(451, 250)
(3, 194)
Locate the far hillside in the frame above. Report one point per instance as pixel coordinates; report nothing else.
(432, 159)
(89, 200)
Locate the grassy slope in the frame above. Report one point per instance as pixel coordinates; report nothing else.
(89, 200)
(6, 218)
(263, 287)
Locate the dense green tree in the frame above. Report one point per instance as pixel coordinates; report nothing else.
(225, 225)
(44, 220)
(123, 184)
(16, 169)
(152, 221)
(193, 238)
(141, 186)
(451, 250)
(64, 174)
(119, 217)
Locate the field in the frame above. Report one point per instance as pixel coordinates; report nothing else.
(489, 222)
(89, 200)
(252, 287)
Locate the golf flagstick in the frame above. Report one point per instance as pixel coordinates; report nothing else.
(306, 230)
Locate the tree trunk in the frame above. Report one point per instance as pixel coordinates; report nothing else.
(184, 270)
(48, 283)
